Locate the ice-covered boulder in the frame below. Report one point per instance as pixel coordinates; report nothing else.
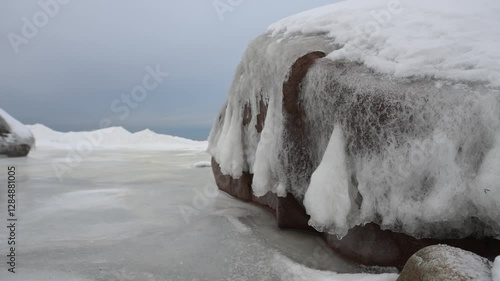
(443, 263)
(389, 133)
(15, 139)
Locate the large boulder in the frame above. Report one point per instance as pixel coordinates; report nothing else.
(382, 163)
(444, 263)
(15, 139)
(367, 244)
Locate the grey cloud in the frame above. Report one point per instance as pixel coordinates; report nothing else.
(92, 52)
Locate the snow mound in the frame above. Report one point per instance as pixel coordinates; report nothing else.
(13, 132)
(495, 271)
(111, 138)
(446, 39)
(202, 164)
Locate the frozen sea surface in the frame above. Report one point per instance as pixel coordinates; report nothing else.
(149, 216)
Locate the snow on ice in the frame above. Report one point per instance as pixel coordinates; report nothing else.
(114, 137)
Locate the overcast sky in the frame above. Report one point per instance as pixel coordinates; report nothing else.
(67, 65)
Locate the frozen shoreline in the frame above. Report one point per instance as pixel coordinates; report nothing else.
(149, 216)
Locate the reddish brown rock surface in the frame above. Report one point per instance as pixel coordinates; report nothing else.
(240, 188)
(289, 213)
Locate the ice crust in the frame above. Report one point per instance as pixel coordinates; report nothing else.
(422, 160)
(422, 147)
(236, 148)
(327, 199)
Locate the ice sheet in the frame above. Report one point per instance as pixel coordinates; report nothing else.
(147, 216)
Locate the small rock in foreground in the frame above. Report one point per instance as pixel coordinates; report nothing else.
(441, 262)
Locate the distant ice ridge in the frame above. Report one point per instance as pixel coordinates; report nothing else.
(111, 138)
(431, 169)
(17, 132)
